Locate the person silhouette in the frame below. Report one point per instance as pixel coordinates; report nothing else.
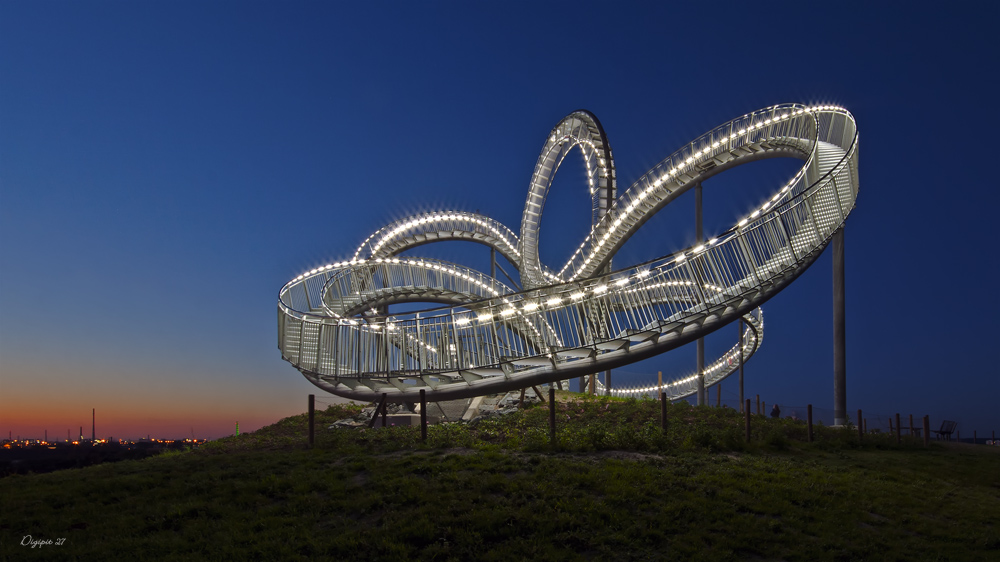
(775, 411)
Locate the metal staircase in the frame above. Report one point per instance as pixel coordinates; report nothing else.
(582, 319)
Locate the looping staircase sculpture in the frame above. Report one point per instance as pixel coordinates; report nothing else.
(333, 324)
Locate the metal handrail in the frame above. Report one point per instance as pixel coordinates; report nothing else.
(414, 231)
(544, 333)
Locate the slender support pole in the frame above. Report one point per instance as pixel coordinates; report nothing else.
(718, 395)
(422, 355)
(552, 416)
(378, 410)
(700, 237)
(663, 411)
(607, 382)
(898, 432)
(839, 332)
(861, 433)
(702, 400)
(758, 404)
(592, 387)
(741, 361)
(911, 425)
(538, 393)
(520, 401)
(746, 419)
(507, 275)
(423, 414)
(312, 420)
(927, 431)
(809, 422)
(385, 410)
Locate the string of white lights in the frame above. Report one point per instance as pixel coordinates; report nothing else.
(543, 333)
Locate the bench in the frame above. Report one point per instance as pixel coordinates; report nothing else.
(947, 428)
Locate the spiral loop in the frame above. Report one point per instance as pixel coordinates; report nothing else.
(333, 323)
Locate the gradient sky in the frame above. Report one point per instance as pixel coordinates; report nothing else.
(165, 167)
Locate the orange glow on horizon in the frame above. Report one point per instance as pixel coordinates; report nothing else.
(131, 420)
(54, 396)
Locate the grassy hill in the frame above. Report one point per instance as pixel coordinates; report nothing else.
(616, 487)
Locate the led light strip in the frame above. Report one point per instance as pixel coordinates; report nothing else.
(623, 213)
(561, 300)
(729, 359)
(433, 218)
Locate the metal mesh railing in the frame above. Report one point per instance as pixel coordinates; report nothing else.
(561, 330)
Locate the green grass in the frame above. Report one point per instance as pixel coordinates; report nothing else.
(616, 487)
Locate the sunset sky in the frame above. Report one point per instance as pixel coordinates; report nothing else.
(165, 167)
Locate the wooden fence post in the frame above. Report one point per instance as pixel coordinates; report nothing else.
(809, 422)
(423, 413)
(746, 419)
(312, 420)
(663, 411)
(927, 431)
(552, 417)
(758, 404)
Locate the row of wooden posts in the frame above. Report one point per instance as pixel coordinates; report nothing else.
(380, 410)
(862, 425)
(762, 406)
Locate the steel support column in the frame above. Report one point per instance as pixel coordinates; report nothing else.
(740, 340)
(839, 332)
(700, 233)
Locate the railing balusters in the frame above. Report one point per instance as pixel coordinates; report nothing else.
(741, 258)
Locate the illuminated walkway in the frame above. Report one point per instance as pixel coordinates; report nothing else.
(582, 318)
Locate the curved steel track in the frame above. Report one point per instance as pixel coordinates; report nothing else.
(583, 318)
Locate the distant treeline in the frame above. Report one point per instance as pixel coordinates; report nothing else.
(42, 459)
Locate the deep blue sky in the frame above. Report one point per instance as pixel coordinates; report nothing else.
(166, 166)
